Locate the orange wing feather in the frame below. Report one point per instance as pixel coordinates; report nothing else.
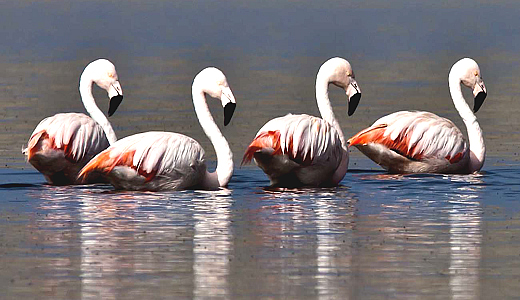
(302, 138)
(35, 144)
(269, 139)
(376, 135)
(103, 163)
(400, 145)
(32, 146)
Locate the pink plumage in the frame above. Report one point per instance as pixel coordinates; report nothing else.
(307, 147)
(62, 144)
(151, 161)
(422, 142)
(417, 137)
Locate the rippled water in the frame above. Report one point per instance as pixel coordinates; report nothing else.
(376, 236)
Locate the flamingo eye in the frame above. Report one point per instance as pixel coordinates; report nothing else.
(111, 75)
(476, 73)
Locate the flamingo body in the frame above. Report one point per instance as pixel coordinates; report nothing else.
(299, 150)
(422, 142)
(62, 144)
(414, 141)
(151, 161)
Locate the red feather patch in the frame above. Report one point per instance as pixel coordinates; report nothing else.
(269, 139)
(105, 164)
(377, 135)
(36, 141)
(455, 159)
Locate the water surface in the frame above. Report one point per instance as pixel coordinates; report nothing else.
(376, 236)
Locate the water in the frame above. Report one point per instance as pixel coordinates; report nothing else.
(376, 236)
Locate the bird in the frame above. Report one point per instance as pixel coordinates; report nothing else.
(62, 144)
(303, 150)
(422, 142)
(159, 161)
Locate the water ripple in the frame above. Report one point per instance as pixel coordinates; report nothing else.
(384, 233)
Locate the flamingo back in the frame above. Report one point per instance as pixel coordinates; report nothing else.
(297, 150)
(76, 135)
(416, 136)
(302, 138)
(152, 155)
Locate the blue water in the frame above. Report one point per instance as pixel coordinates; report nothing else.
(375, 236)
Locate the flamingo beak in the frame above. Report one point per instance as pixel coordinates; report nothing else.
(229, 103)
(116, 96)
(229, 109)
(480, 93)
(479, 100)
(354, 95)
(114, 104)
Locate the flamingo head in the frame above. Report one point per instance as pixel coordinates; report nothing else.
(104, 74)
(469, 73)
(340, 74)
(214, 83)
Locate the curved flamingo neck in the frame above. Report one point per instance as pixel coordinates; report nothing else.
(224, 170)
(325, 107)
(85, 90)
(476, 140)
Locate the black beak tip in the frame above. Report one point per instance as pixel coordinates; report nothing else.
(479, 100)
(114, 104)
(229, 109)
(353, 103)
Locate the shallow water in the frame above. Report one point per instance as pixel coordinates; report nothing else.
(376, 236)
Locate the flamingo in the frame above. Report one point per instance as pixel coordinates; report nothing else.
(422, 142)
(62, 144)
(303, 150)
(156, 161)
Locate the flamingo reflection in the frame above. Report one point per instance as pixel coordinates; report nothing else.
(128, 238)
(320, 219)
(465, 238)
(211, 244)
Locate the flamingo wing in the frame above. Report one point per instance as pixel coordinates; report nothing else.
(151, 155)
(303, 138)
(416, 136)
(76, 135)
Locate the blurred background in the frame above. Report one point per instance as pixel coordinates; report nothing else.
(401, 53)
